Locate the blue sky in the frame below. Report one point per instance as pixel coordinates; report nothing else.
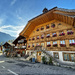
(14, 14)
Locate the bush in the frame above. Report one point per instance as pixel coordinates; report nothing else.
(50, 60)
(44, 59)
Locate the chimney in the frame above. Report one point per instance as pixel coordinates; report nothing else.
(45, 10)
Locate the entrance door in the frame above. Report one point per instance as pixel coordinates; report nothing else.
(39, 56)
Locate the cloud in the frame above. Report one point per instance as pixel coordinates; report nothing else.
(13, 2)
(12, 30)
(1, 21)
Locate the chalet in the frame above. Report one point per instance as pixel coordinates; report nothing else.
(8, 48)
(53, 31)
(20, 45)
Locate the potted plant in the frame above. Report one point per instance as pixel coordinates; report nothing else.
(44, 60)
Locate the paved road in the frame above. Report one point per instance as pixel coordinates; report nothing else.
(10, 66)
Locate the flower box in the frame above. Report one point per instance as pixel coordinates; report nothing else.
(42, 37)
(28, 46)
(72, 44)
(70, 33)
(42, 28)
(54, 35)
(47, 27)
(32, 45)
(55, 45)
(48, 45)
(47, 36)
(62, 45)
(33, 38)
(53, 25)
(37, 37)
(37, 30)
(61, 34)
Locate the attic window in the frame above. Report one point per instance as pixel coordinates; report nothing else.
(53, 25)
(37, 30)
(59, 24)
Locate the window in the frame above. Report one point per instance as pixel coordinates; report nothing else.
(32, 45)
(42, 44)
(72, 42)
(66, 57)
(47, 26)
(29, 46)
(37, 37)
(59, 24)
(55, 44)
(53, 25)
(30, 39)
(54, 34)
(48, 44)
(56, 55)
(42, 36)
(69, 57)
(48, 35)
(61, 33)
(37, 29)
(33, 38)
(62, 43)
(37, 44)
(42, 28)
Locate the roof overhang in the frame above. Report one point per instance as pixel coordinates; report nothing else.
(53, 14)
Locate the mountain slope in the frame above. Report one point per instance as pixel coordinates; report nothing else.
(5, 37)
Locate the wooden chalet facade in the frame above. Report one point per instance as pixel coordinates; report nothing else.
(54, 30)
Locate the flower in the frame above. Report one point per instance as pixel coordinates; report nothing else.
(62, 45)
(47, 26)
(70, 32)
(53, 25)
(61, 34)
(28, 46)
(48, 45)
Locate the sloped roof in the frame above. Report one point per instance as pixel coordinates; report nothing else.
(64, 15)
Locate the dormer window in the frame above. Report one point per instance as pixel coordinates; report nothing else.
(47, 26)
(42, 28)
(37, 29)
(53, 25)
